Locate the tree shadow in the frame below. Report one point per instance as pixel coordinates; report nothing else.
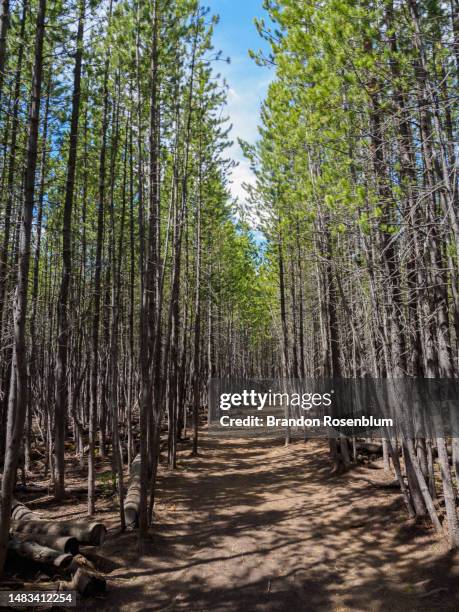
(249, 526)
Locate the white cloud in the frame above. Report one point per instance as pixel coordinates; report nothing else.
(232, 95)
(245, 95)
(241, 174)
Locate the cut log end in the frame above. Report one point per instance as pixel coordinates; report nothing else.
(97, 534)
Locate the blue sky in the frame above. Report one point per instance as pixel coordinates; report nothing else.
(248, 83)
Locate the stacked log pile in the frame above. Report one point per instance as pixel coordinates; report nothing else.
(54, 547)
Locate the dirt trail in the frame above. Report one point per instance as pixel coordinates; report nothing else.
(252, 526)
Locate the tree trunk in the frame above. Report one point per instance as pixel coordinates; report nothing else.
(62, 391)
(19, 382)
(97, 294)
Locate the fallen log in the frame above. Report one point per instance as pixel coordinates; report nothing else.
(83, 562)
(370, 448)
(90, 533)
(40, 554)
(389, 485)
(29, 488)
(20, 512)
(88, 583)
(132, 499)
(11, 584)
(67, 544)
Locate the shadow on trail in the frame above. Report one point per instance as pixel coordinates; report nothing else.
(255, 526)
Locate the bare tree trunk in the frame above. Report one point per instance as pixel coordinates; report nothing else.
(97, 295)
(19, 382)
(448, 489)
(149, 271)
(11, 173)
(197, 324)
(115, 306)
(62, 391)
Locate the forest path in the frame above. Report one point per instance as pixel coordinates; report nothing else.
(252, 525)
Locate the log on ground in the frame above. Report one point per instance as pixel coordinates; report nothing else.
(68, 544)
(370, 448)
(132, 499)
(20, 512)
(90, 533)
(86, 582)
(40, 554)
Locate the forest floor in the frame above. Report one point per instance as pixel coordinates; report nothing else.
(253, 525)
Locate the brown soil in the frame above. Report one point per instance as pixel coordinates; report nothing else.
(252, 525)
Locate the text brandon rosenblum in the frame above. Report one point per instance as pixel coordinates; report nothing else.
(326, 421)
(306, 401)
